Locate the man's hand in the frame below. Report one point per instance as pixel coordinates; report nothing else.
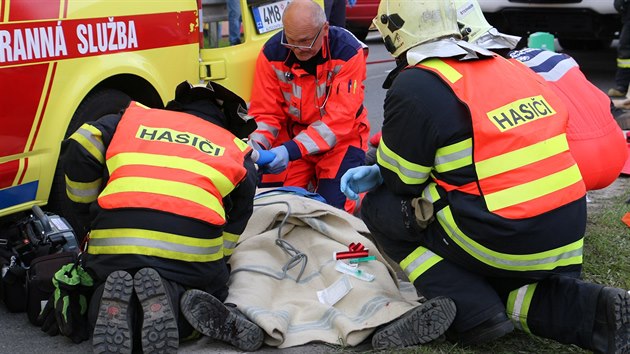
(360, 179)
(254, 145)
(280, 162)
(263, 157)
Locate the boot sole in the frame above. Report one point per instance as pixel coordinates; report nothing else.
(112, 333)
(212, 318)
(421, 325)
(619, 312)
(159, 327)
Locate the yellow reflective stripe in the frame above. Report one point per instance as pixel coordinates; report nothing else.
(518, 304)
(408, 172)
(240, 144)
(162, 187)
(141, 105)
(83, 192)
(91, 139)
(150, 251)
(448, 71)
(430, 192)
(534, 189)
(155, 243)
(623, 63)
(221, 182)
(562, 256)
(229, 243)
(418, 262)
(521, 157)
(454, 156)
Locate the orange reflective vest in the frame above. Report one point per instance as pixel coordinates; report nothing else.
(519, 150)
(172, 162)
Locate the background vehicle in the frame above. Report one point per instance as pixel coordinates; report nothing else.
(65, 62)
(578, 24)
(359, 17)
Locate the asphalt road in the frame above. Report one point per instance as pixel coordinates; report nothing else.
(17, 335)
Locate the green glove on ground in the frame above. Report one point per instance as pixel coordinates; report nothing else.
(66, 310)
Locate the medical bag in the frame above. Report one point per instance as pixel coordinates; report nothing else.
(31, 251)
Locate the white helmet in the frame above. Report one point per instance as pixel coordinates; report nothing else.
(477, 30)
(404, 24)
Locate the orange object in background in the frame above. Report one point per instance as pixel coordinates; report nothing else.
(626, 167)
(600, 158)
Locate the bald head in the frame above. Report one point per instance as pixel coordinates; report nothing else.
(305, 28)
(303, 13)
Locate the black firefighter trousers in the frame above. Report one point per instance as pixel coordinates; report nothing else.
(562, 307)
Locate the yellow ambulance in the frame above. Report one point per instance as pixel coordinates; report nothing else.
(65, 62)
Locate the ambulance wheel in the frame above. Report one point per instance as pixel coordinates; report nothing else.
(95, 105)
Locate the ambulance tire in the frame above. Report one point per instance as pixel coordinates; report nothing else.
(94, 105)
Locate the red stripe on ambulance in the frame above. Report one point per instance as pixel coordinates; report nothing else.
(27, 43)
(23, 172)
(15, 132)
(7, 173)
(40, 118)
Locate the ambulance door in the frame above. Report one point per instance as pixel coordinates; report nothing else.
(233, 65)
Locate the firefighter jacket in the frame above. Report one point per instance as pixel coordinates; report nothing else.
(178, 194)
(317, 108)
(485, 142)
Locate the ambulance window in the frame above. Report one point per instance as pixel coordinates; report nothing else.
(222, 23)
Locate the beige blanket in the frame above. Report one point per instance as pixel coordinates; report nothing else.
(289, 310)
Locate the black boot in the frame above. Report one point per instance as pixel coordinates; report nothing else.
(212, 318)
(159, 326)
(419, 325)
(611, 332)
(489, 330)
(114, 324)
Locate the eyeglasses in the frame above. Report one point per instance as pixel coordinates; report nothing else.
(284, 42)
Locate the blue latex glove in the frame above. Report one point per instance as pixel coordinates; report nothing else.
(352, 2)
(280, 162)
(263, 157)
(360, 179)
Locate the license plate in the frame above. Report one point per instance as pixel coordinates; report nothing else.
(268, 17)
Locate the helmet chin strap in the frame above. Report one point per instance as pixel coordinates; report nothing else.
(389, 45)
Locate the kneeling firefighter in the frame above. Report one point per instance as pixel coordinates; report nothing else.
(169, 193)
(471, 199)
